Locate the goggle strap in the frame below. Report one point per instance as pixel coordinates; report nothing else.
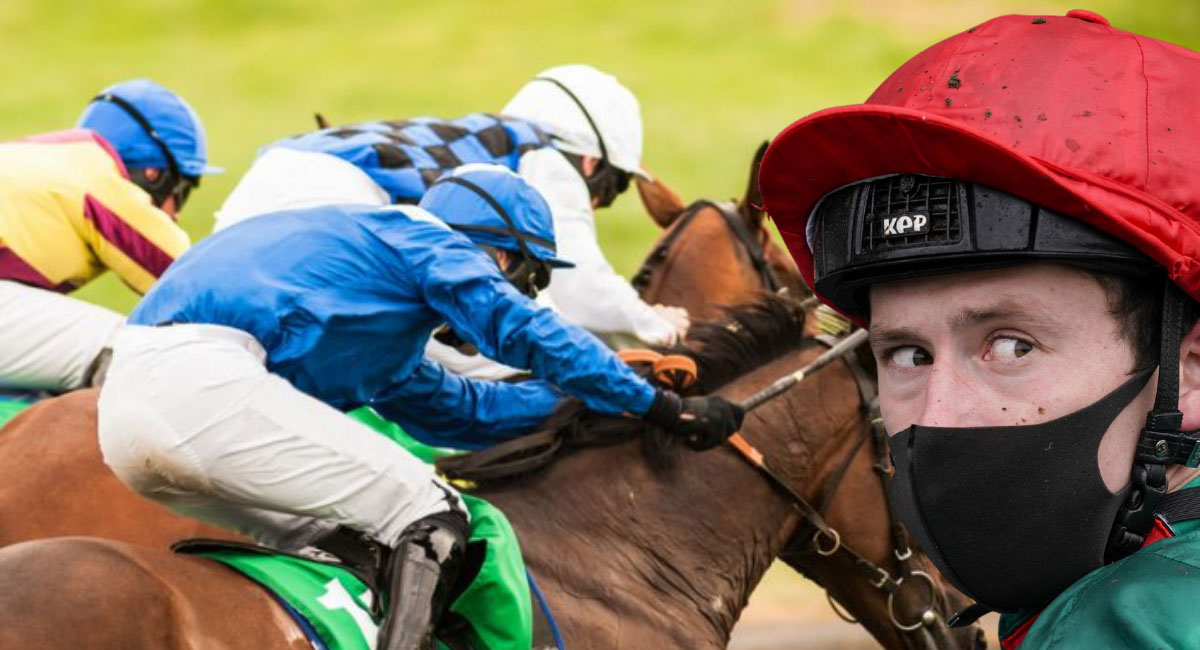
(137, 116)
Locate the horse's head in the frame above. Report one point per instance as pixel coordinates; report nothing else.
(712, 253)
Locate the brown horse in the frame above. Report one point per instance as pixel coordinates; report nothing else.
(627, 553)
(712, 254)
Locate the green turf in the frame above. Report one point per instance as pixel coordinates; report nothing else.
(715, 77)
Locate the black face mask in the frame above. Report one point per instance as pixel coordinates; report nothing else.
(527, 274)
(1011, 515)
(607, 183)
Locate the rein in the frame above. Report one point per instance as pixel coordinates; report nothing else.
(879, 577)
(741, 233)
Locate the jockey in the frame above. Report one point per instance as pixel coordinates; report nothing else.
(1015, 212)
(573, 133)
(225, 396)
(73, 203)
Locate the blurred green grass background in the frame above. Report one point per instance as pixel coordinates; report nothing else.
(715, 77)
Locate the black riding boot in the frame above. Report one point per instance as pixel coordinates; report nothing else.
(420, 578)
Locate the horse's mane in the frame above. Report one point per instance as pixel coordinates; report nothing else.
(746, 337)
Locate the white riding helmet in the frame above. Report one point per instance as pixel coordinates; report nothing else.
(588, 110)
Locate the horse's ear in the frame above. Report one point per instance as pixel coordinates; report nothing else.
(753, 197)
(663, 204)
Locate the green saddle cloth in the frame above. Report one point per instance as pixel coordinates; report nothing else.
(496, 606)
(10, 408)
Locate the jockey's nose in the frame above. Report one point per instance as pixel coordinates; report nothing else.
(949, 398)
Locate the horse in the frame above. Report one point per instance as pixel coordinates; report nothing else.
(629, 552)
(712, 254)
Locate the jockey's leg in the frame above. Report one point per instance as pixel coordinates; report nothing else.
(49, 341)
(189, 416)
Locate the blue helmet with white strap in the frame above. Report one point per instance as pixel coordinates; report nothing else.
(494, 207)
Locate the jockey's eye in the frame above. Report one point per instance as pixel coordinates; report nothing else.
(1007, 349)
(908, 356)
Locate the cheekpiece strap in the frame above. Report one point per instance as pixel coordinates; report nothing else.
(1161, 442)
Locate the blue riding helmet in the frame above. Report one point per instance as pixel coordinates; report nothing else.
(494, 207)
(150, 126)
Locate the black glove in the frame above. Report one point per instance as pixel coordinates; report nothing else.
(702, 422)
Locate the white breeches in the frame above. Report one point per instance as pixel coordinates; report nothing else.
(190, 417)
(48, 340)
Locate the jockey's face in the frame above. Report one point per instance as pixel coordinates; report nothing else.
(501, 256)
(1014, 346)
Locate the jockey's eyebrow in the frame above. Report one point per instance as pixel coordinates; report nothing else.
(883, 337)
(1004, 311)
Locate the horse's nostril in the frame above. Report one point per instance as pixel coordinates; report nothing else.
(980, 640)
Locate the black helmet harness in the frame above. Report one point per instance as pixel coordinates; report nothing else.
(607, 181)
(172, 183)
(909, 226)
(528, 273)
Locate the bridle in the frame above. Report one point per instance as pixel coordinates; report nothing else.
(753, 243)
(825, 538)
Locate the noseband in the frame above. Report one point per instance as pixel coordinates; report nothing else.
(751, 242)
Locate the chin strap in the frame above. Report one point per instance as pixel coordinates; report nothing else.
(1161, 442)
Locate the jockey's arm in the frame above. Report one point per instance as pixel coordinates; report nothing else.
(482, 307)
(443, 409)
(592, 294)
(128, 234)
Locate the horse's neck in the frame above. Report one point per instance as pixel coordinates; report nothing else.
(630, 558)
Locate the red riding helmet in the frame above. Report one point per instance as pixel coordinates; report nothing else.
(1067, 113)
